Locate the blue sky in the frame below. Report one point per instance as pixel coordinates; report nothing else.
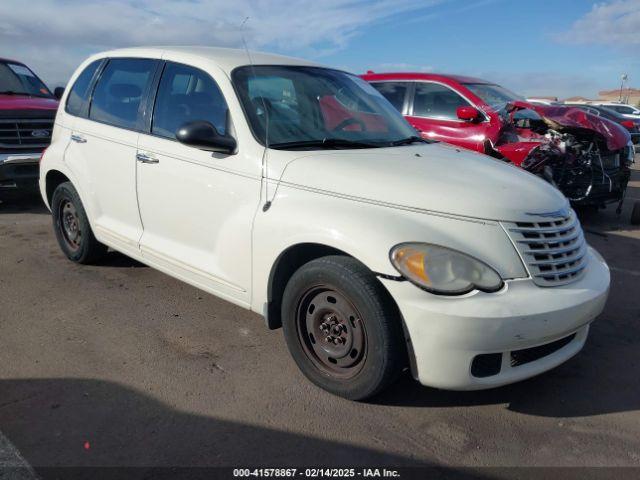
(535, 47)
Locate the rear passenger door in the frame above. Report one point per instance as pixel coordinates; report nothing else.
(197, 207)
(104, 144)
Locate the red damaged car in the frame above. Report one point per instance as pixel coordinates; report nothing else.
(585, 156)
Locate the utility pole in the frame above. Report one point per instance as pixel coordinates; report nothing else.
(622, 80)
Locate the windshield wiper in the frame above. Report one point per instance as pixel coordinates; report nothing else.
(410, 140)
(327, 143)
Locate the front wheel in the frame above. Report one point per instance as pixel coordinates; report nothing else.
(72, 228)
(342, 328)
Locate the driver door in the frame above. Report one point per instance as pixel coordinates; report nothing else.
(432, 112)
(196, 207)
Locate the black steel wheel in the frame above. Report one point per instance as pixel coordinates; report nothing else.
(342, 328)
(331, 332)
(72, 227)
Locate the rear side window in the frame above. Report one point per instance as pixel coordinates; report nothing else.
(79, 94)
(187, 94)
(117, 96)
(621, 109)
(395, 92)
(437, 101)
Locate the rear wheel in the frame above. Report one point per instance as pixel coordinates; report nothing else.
(72, 228)
(342, 328)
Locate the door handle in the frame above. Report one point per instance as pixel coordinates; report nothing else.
(78, 138)
(144, 158)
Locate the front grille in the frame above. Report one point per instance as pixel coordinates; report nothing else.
(554, 251)
(25, 134)
(610, 161)
(528, 355)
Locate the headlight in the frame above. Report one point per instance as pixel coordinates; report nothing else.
(442, 270)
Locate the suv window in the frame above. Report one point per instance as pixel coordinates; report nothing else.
(119, 91)
(620, 108)
(187, 94)
(79, 94)
(436, 101)
(395, 92)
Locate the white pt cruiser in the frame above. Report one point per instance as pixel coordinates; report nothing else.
(298, 192)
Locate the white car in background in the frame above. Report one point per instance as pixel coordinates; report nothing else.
(622, 108)
(298, 192)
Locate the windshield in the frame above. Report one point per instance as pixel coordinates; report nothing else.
(314, 107)
(495, 96)
(16, 79)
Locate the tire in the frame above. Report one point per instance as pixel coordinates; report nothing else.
(335, 308)
(72, 228)
(635, 214)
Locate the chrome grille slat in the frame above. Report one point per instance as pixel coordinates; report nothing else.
(559, 261)
(554, 251)
(552, 240)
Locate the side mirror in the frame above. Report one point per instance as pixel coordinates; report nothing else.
(203, 135)
(468, 114)
(58, 92)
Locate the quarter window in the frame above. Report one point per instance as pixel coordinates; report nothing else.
(395, 92)
(187, 94)
(80, 91)
(117, 96)
(437, 101)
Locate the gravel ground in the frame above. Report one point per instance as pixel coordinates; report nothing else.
(118, 364)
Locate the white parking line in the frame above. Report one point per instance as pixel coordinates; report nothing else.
(12, 465)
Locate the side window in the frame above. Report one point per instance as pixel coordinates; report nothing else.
(436, 101)
(395, 92)
(187, 94)
(79, 93)
(119, 91)
(622, 109)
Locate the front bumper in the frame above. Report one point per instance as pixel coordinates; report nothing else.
(19, 172)
(447, 333)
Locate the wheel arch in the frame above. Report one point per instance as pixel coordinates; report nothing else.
(286, 264)
(53, 178)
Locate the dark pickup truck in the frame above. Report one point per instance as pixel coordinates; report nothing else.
(27, 112)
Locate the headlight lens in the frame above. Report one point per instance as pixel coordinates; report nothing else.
(442, 270)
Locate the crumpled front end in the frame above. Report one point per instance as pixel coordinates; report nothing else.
(586, 157)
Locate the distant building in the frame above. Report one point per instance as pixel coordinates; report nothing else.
(578, 100)
(629, 95)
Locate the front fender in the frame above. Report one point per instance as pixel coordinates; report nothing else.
(366, 231)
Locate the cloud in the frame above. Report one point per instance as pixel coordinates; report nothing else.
(53, 36)
(532, 84)
(403, 67)
(616, 24)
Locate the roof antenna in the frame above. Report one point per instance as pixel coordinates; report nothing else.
(265, 154)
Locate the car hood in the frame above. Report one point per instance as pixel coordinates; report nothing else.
(22, 102)
(433, 178)
(567, 117)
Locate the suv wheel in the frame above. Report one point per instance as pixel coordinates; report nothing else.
(342, 328)
(72, 228)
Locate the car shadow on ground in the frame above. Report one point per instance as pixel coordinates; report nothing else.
(23, 204)
(93, 423)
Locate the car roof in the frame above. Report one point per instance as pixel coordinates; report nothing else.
(438, 77)
(9, 60)
(226, 58)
